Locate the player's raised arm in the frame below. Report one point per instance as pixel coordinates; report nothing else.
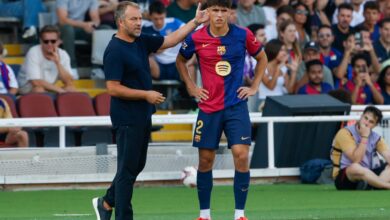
(177, 36)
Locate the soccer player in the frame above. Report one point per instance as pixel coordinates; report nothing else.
(129, 83)
(220, 48)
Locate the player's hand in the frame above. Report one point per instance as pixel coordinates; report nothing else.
(154, 97)
(198, 93)
(245, 92)
(201, 16)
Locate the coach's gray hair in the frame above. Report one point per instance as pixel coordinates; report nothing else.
(121, 9)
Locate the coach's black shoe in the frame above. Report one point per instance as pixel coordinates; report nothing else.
(101, 212)
(363, 185)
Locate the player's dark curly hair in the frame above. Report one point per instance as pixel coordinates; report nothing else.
(222, 3)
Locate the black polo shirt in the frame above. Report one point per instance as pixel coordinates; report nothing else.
(128, 63)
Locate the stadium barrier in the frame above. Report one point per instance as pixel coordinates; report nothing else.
(48, 172)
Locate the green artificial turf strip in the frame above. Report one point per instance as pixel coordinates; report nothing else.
(268, 202)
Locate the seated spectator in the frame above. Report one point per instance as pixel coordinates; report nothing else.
(73, 26)
(382, 45)
(311, 52)
(276, 81)
(371, 17)
(315, 18)
(284, 13)
(106, 12)
(45, 64)
(249, 13)
(316, 85)
(8, 82)
(287, 34)
(357, 17)
(11, 136)
(343, 27)
(26, 10)
(301, 22)
(183, 10)
(361, 87)
(161, 25)
(328, 55)
(384, 82)
(354, 150)
(270, 8)
(233, 14)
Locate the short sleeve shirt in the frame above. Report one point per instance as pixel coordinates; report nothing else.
(77, 8)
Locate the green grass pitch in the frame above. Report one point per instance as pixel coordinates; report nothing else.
(268, 202)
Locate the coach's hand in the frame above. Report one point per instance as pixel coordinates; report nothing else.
(244, 92)
(198, 93)
(154, 97)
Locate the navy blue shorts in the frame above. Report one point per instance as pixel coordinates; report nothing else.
(234, 121)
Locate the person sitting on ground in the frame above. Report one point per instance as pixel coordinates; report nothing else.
(8, 82)
(45, 64)
(11, 136)
(355, 164)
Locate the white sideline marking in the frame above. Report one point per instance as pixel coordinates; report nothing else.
(68, 215)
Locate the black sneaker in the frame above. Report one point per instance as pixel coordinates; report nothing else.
(101, 212)
(363, 185)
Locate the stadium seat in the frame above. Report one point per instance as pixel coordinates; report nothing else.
(102, 104)
(80, 104)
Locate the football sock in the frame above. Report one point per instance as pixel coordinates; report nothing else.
(238, 213)
(241, 186)
(204, 183)
(205, 213)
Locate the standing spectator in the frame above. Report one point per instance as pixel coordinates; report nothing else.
(312, 52)
(8, 82)
(287, 34)
(45, 64)
(300, 19)
(249, 13)
(11, 136)
(73, 26)
(384, 82)
(357, 12)
(342, 28)
(316, 17)
(276, 81)
(270, 8)
(284, 13)
(328, 55)
(163, 26)
(371, 17)
(353, 151)
(361, 87)
(27, 10)
(315, 75)
(382, 45)
(183, 10)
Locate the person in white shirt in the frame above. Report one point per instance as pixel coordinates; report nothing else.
(8, 83)
(45, 64)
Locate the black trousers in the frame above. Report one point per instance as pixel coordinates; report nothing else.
(132, 144)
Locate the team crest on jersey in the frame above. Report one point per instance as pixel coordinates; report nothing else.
(223, 68)
(221, 50)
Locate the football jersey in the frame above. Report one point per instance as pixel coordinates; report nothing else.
(221, 63)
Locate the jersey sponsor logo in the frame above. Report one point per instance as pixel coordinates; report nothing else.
(244, 138)
(223, 68)
(221, 50)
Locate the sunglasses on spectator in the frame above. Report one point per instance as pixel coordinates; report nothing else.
(324, 35)
(301, 12)
(49, 41)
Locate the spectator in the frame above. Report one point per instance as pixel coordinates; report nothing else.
(8, 82)
(353, 153)
(342, 28)
(316, 17)
(315, 75)
(233, 14)
(357, 17)
(328, 55)
(361, 87)
(73, 26)
(183, 10)
(382, 45)
(384, 82)
(276, 81)
(300, 19)
(249, 13)
(287, 34)
(371, 17)
(270, 7)
(161, 25)
(311, 52)
(284, 13)
(27, 10)
(106, 12)
(385, 8)
(11, 136)
(45, 64)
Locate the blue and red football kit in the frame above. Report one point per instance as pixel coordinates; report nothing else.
(221, 63)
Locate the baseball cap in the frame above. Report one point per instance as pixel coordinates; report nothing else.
(312, 45)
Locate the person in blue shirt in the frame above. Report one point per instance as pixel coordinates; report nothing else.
(382, 45)
(129, 82)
